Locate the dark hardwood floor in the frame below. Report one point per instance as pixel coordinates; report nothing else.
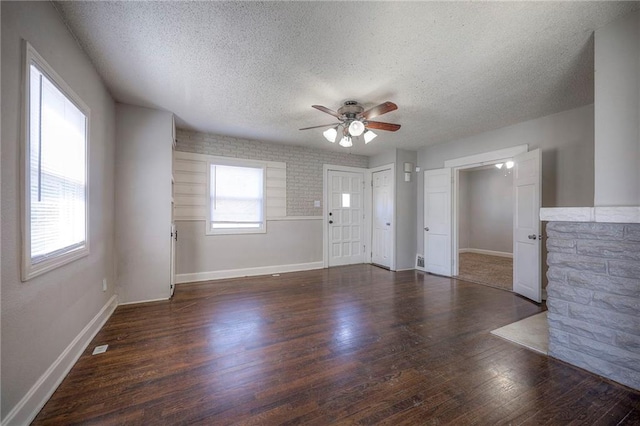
(355, 344)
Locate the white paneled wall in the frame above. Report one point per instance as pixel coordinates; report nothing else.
(304, 165)
(190, 186)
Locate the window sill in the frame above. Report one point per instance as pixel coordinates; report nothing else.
(30, 271)
(236, 231)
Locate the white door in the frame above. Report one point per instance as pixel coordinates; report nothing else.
(382, 216)
(174, 238)
(526, 225)
(345, 218)
(437, 221)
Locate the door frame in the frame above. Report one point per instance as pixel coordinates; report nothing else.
(392, 251)
(468, 162)
(366, 201)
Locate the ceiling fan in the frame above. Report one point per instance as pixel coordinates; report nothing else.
(355, 121)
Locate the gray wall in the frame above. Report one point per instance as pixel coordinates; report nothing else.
(143, 203)
(617, 113)
(490, 207)
(405, 211)
(386, 157)
(404, 203)
(566, 141)
(286, 242)
(42, 316)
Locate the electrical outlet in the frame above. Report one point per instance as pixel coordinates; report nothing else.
(316, 203)
(104, 284)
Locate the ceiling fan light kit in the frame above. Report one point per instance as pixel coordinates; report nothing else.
(369, 136)
(355, 122)
(346, 141)
(356, 128)
(331, 134)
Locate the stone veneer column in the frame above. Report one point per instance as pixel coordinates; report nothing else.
(594, 297)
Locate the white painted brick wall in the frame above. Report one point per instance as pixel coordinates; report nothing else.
(304, 165)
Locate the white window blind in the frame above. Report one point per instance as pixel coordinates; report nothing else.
(56, 178)
(236, 198)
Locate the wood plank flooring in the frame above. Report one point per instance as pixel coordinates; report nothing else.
(347, 345)
(494, 271)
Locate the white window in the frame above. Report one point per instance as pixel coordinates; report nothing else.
(55, 179)
(236, 202)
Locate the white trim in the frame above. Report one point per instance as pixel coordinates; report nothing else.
(247, 164)
(29, 270)
(294, 218)
(486, 158)
(405, 269)
(487, 252)
(394, 225)
(26, 410)
(246, 272)
(627, 214)
(162, 299)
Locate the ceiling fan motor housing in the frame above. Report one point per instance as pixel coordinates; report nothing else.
(350, 110)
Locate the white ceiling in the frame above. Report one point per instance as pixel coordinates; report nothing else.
(253, 69)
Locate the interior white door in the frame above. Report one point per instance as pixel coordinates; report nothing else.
(174, 239)
(437, 221)
(526, 225)
(382, 216)
(346, 245)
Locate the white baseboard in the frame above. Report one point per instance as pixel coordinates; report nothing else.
(246, 272)
(135, 302)
(488, 252)
(29, 406)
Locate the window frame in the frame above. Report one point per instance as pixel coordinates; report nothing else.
(30, 269)
(236, 162)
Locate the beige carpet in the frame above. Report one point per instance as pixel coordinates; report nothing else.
(532, 333)
(494, 271)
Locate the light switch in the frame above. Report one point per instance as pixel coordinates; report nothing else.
(316, 203)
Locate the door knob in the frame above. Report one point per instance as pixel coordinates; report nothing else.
(532, 236)
(330, 221)
(426, 229)
(388, 223)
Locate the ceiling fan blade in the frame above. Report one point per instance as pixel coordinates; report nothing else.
(324, 125)
(327, 110)
(379, 110)
(379, 125)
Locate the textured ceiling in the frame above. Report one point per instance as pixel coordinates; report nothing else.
(253, 69)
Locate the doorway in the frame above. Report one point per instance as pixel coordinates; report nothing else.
(382, 217)
(485, 225)
(440, 216)
(345, 206)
